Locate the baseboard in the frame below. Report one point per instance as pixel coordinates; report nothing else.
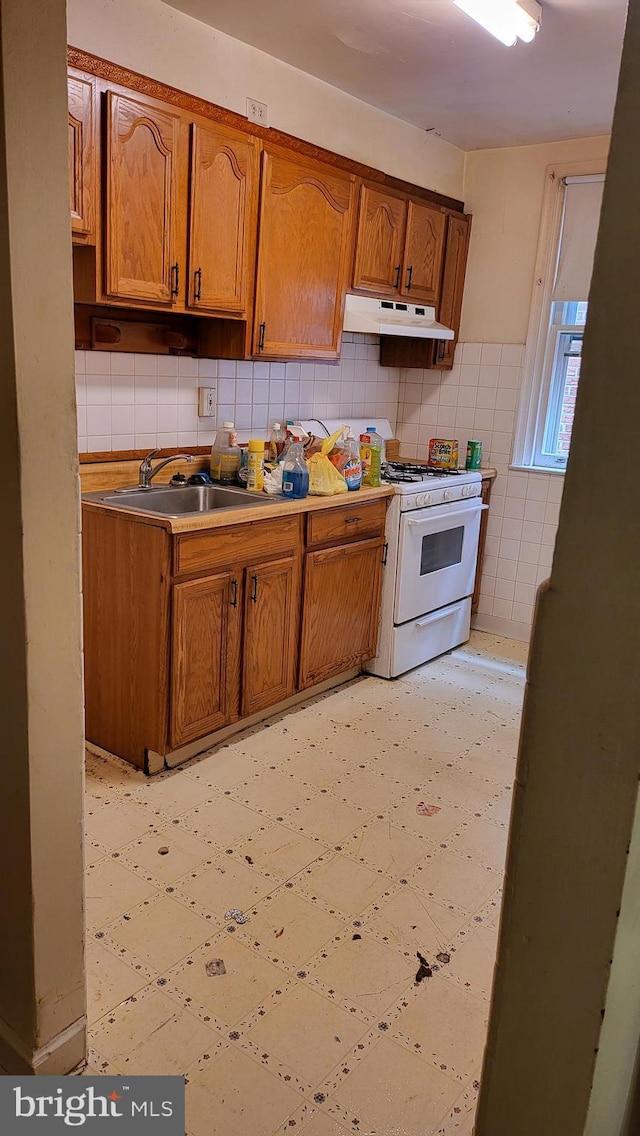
(63, 1054)
(495, 625)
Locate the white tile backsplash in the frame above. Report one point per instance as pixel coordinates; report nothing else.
(478, 399)
(151, 400)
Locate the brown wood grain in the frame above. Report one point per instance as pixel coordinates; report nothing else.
(379, 241)
(487, 482)
(340, 609)
(423, 252)
(112, 471)
(351, 522)
(207, 551)
(204, 622)
(222, 219)
(271, 622)
(126, 634)
(142, 190)
(450, 308)
(82, 156)
(112, 73)
(304, 253)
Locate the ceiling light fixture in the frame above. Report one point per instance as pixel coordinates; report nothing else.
(507, 20)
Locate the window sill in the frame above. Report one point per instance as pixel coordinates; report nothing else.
(538, 469)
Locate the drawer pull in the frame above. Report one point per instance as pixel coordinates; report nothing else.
(352, 520)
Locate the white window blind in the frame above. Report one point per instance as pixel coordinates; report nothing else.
(580, 218)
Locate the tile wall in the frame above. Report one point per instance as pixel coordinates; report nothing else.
(137, 401)
(478, 399)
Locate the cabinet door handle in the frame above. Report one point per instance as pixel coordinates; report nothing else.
(254, 589)
(352, 520)
(198, 288)
(409, 277)
(385, 552)
(397, 271)
(263, 328)
(234, 593)
(175, 279)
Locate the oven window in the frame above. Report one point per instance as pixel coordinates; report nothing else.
(441, 550)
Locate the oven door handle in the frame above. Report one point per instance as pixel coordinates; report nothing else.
(456, 513)
(433, 618)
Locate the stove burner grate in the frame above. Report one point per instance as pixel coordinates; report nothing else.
(406, 472)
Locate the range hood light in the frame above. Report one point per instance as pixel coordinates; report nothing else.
(507, 20)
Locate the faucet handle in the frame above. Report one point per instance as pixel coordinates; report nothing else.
(146, 461)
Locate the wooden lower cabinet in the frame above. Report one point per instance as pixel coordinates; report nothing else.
(204, 683)
(340, 612)
(271, 620)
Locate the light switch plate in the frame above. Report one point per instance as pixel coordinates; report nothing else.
(257, 112)
(207, 399)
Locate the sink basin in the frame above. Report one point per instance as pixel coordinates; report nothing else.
(182, 501)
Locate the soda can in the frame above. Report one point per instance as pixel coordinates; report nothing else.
(474, 455)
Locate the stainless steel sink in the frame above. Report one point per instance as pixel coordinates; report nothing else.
(183, 501)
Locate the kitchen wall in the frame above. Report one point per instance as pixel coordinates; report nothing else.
(136, 401)
(178, 50)
(479, 397)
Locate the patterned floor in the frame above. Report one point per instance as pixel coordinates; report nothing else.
(355, 833)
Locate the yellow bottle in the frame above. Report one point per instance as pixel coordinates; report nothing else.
(255, 471)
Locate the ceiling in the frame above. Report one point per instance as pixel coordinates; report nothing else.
(426, 62)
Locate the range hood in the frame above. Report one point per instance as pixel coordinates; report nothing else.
(392, 317)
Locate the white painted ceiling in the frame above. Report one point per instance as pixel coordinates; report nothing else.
(426, 62)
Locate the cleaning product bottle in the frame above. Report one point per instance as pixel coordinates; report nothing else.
(255, 478)
(295, 472)
(276, 441)
(352, 468)
(225, 455)
(371, 455)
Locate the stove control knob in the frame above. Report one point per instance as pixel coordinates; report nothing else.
(421, 500)
(449, 495)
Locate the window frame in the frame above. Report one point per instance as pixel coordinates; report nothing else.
(542, 335)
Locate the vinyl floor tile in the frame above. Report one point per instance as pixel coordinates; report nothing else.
(233, 1095)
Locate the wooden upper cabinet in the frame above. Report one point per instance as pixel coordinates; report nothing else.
(423, 251)
(304, 255)
(271, 612)
(222, 219)
(82, 157)
(141, 262)
(450, 308)
(379, 242)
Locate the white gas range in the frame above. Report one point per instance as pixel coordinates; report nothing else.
(433, 526)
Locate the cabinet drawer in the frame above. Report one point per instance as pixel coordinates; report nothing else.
(349, 522)
(219, 548)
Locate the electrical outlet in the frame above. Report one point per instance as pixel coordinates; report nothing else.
(207, 399)
(257, 112)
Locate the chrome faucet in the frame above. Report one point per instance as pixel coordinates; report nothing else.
(147, 471)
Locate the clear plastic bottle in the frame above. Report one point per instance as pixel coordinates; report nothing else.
(276, 441)
(295, 473)
(225, 455)
(352, 467)
(255, 470)
(371, 455)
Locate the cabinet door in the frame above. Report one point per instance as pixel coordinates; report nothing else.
(379, 242)
(205, 643)
(270, 633)
(140, 255)
(82, 157)
(455, 263)
(422, 265)
(223, 205)
(340, 609)
(304, 253)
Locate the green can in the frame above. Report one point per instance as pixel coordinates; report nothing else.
(474, 455)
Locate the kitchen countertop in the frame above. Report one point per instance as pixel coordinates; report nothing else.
(221, 518)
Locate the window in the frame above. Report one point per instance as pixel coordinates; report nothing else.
(559, 311)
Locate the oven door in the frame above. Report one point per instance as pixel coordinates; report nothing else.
(438, 550)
